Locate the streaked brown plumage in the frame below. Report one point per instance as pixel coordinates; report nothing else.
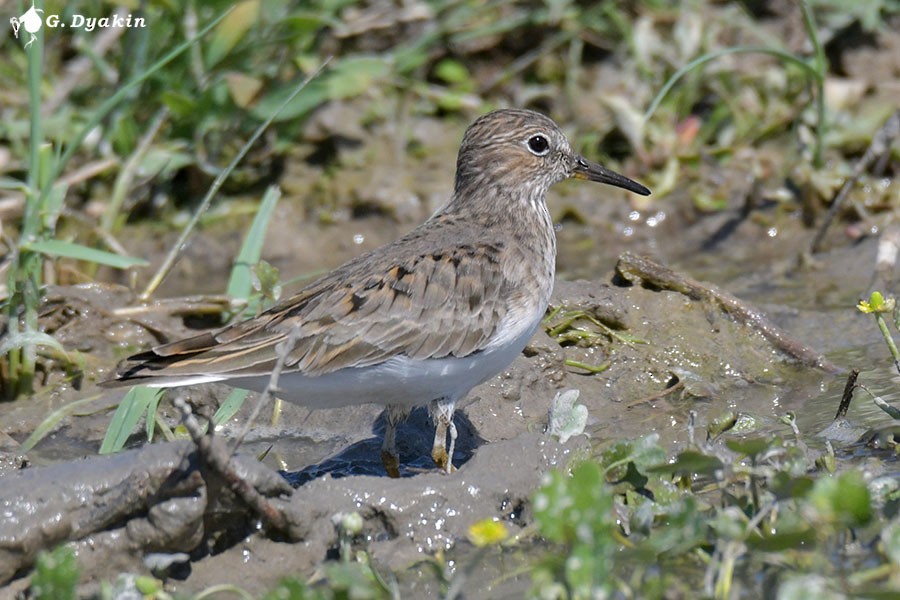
(421, 320)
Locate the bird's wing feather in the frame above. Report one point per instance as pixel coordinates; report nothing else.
(427, 305)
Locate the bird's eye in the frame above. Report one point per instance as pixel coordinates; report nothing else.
(538, 145)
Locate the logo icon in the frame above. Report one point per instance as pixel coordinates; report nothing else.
(31, 21)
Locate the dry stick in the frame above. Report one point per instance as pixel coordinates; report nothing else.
(13, 206)
(176, 250)
(88, 171)
(185, 305)
(847, 396)
(217, 457)
(283, 349)
(658, 395)
(76, 69)
(632, 267)
(881, 142)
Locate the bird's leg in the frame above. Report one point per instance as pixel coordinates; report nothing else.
(452, 429)
(438, 449)
(390, 458)
(442, 413)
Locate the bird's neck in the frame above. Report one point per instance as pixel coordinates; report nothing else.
(518, 214)
(500, 203)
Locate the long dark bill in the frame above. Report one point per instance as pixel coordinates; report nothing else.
(584, 169)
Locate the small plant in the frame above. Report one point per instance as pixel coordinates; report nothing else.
(44, 200)
(638, 524)
(878, 306)
(816, 70)
(56, 575)
(576, 513)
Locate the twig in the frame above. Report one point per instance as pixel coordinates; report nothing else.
(881, 142)
(847, 396)
(632, 267)
(88, 171)
(217, 457)
(179, 245)
(76, 69)
(191, 305)
(284, 349)
(658, 395)
(13, 205)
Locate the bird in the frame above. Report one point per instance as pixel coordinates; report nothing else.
(421, 320)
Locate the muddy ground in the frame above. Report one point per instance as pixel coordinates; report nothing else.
(669, 356)
(672, 359)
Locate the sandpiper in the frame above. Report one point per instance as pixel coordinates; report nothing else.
(419, 321)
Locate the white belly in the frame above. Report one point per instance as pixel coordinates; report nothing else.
(399, 380)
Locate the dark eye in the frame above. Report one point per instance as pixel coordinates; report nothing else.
(538, 144)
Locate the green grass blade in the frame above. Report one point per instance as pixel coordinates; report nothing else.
(150, 417)
(244, 16)
(65, 249)
(52, 420)
(133, 406)
(241, 282)
(229, 408)
(172, 256)
(701, 60)
(10, 183)
(21, 339)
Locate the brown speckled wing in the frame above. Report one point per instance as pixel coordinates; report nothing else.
(421, 305)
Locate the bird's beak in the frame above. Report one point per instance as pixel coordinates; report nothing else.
(584, 169)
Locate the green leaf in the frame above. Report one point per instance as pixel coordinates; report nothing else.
(133, 406)
(452, 71)
(784, 486)
(843, 499)
(690, 462)
(240, 283)
(65, 249)
(306, 100)
(353, 76)
(781, 540)
(721, 423)
(577, 510)
(232, 30)
(267, 280)
(644, 452)
(750, 446)
(179, 103)
(348, 78)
